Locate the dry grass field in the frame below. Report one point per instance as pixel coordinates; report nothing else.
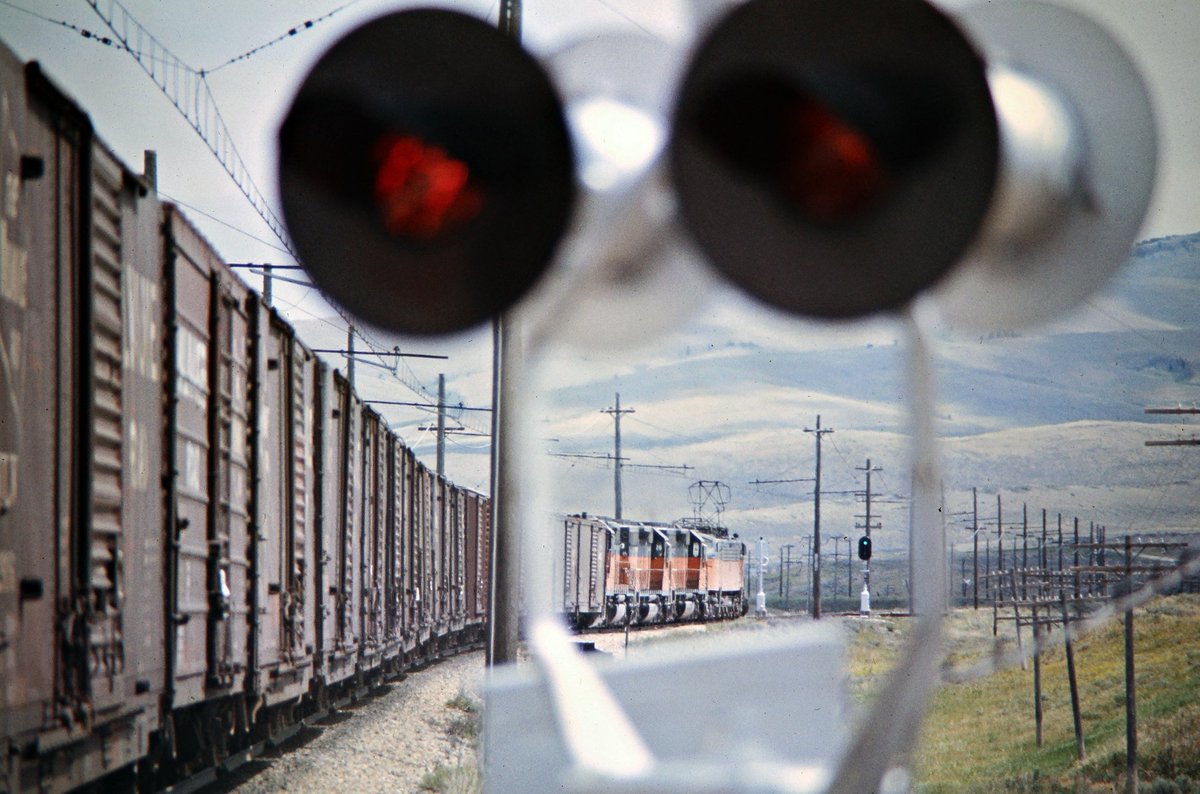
(980, 734)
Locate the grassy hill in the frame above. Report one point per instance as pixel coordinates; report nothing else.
(979, 735)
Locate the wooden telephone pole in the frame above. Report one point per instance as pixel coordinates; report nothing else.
(816, 559)
(615, 413)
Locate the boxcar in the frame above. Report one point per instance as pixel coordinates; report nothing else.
(204, 533)
(81, 552)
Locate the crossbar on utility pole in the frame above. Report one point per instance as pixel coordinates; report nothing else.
(1181, 442)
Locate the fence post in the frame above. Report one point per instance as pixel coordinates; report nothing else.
(1131, 762)
(1037, 677)
(1070, 649)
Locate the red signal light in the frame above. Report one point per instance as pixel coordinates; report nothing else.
(834, 158)
(823, 165)
(426, 171)
(422, 191)
(831, 170)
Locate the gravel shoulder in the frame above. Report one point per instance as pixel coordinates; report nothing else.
(417, 731)
(387, 743)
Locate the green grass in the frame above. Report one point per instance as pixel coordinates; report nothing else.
(464, 726)
(980, 735)
(453, 780)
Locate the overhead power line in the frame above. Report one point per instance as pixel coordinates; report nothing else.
(187, 89)
(307, 24)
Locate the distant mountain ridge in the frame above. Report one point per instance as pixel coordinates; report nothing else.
(1055, 413)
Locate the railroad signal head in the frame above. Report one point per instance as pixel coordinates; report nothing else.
(834, 158)
(1078, 146)
(426, 171)
(864, 548)
(627, 268)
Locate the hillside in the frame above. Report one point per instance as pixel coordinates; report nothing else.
(1052, 417)
(979, 736)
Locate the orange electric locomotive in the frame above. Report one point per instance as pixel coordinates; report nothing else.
(617, 572)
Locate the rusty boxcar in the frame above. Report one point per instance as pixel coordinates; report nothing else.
(205, 535)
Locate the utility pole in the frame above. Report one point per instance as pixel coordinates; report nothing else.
(781, 548)
(441, 426)
(816, 560)
(1000, 536)
(975, 544)
(1179, 442)
(350, 356)
(760, 601)
(1131, 737)
(785, 580)
(849, 566)
(809, 567)
(616, 415)
(837, 552)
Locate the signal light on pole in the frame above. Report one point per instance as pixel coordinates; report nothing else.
(426, 171)
(864, 548)
(836, 158)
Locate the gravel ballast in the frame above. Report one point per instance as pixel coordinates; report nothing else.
(388, 743)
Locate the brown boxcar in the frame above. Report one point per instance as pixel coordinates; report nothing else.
(208, 490)
(80, 501)
(393, 594)
(372, 532)
(282, 540)
(477, 558)
(340, 555)
(204, 533)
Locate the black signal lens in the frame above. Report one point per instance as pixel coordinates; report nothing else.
(834, 157)
(864, 548)
(426, 171)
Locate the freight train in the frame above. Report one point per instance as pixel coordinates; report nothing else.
(205, 534)
(618, 573)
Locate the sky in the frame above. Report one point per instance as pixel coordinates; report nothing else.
(253, 93)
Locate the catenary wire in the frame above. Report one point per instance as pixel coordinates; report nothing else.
(293, 31)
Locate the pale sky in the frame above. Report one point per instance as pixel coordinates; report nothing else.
(131, 115)
(1163, 36)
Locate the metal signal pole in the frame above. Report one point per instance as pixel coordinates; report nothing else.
(503, 626)
(867, 525)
